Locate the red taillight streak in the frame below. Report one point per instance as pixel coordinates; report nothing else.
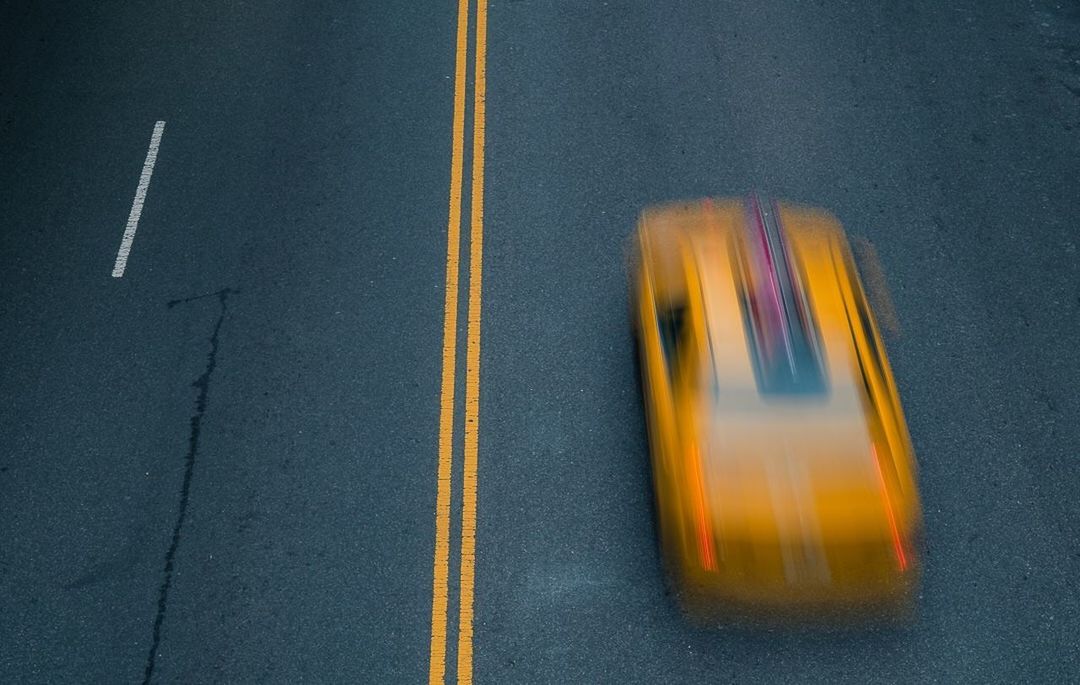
(901, 558)
(708, 558)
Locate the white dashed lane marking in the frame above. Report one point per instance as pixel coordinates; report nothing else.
(140, 199)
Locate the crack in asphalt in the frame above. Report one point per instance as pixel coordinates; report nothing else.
(202, 384)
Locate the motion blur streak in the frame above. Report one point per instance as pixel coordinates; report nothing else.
(877, 286)
(901, 558)
(472, 365)
(437, 663)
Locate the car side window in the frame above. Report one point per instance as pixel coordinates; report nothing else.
(868, 332)
(671, 319)
(862, 310)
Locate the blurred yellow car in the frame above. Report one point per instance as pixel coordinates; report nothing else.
(783, 471)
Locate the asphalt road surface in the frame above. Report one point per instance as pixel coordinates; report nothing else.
(243, 460)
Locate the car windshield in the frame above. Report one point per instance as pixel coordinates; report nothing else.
(781, 334)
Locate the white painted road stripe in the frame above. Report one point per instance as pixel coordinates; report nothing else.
(140, 198)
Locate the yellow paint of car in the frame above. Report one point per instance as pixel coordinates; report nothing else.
(783, 471)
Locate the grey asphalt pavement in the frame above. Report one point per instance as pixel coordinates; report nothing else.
(222, 466)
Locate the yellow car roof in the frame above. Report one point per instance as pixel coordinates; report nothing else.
(764, 448)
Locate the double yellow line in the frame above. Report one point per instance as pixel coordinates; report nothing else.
(440, 585)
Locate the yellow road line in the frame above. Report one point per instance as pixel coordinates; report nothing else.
(472, 359)
(437, 664)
